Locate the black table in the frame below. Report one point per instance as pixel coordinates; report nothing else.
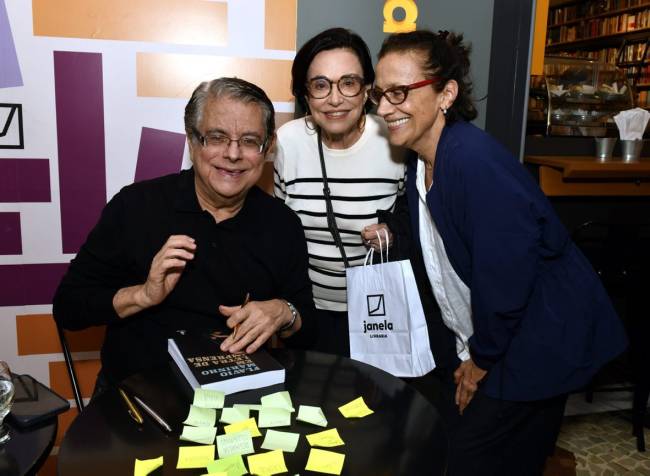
(403, 436)
(27, 449)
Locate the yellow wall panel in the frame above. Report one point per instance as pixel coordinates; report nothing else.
(539, 37)
(176, 76)
(192, 22)
(280, 24)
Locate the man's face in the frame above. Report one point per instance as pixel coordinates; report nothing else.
(225, 172)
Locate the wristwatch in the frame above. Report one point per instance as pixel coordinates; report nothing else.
(294, 314)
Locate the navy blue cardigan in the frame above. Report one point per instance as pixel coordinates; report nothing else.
(543, 323)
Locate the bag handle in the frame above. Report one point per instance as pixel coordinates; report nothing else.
(381, 248)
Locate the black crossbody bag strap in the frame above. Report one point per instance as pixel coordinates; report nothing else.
(331, 219)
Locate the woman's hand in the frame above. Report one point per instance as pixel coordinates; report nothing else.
(369, 236)
(467, 377)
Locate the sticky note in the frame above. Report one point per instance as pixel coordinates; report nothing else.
(247, 406)
(267, 463)
(145, 466)
(327, 438)
(272, 417)
(194, 456)
(357, 408)
(243, 425)
(278, 400)
(323, 461)
(205, 398)
(215, 474)
(199, 434)
(313, 415)
(201, 416)
(240, 443)
(231, 465)
(280, 440)
(234, 415)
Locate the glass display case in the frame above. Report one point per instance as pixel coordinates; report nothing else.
(577, 97)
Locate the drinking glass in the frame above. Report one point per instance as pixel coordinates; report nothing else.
(6, 398)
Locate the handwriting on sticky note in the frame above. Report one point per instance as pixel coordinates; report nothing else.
(243, 425)
(233, 415)
(240, 443)
(357, 408)
(145, 466)
(313, 415)
(205, 398)
(273, 417)
(280, 440)
(194, 456)
(199, 434)
(323, 461)
(327, 438)
(201, 416)
(278, 400)
(231, 465)
(267, 463)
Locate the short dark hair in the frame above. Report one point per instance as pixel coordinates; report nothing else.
(328, 40)
(234, 88)
(446, 57)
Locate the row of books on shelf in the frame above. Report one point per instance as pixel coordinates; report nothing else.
(603, 55)
(643, 99)
(633, 52)
(587, 9)
(638, 77)
(600, 26)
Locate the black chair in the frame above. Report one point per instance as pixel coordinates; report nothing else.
(620, 254)
(69, 363)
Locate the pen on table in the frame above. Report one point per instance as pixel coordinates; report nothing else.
(153, 414)
(234, 332)
(133, 411)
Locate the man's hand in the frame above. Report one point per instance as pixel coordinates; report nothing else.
(165, 271)
(369, 236)
(467, 377)
(257, 321)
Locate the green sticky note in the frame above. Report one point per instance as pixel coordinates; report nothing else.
(240, 443)
(232, 466)
(357, 408)
(208, 398)
(194, 456)
(267, 464)
(280, 440)
(247, 406)
(327, 438)
(145, 466)
(322, 461)
(278, 400)
(249, 424)
(272, 417)
(201, 416)
(313, 415)
(215, 474)
(231, 415)
(199, 434)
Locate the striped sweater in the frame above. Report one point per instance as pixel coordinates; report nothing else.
(364, 178)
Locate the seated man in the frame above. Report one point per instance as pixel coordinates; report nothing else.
(185, 250)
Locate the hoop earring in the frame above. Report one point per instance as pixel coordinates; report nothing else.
(308, 124)
(362, 122)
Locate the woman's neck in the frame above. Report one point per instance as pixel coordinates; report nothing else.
(342, 141)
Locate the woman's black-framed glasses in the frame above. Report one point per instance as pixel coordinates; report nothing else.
(349, 86)
(397, 94)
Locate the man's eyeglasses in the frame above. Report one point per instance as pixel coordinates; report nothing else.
(218, 143)
(321, 87)
(397, 94)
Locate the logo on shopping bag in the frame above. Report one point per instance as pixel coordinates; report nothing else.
(376, 305)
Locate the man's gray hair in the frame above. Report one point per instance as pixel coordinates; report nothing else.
(233, 88)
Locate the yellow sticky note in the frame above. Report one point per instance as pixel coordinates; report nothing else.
(240, 443)
(323, 461)
(313, 415)
(201, 416)
(267, 463)
(215, 474)
(145, 466)
(327, 438)
(205, 398)
(230, 466)
(199, 434)
(278, 400)
(233, 415)
(195, 456)
(272, 417)
(243, 425)
(357, 408)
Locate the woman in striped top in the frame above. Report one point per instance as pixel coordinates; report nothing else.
(331, 75)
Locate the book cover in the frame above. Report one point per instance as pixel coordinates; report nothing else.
(204, 365)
